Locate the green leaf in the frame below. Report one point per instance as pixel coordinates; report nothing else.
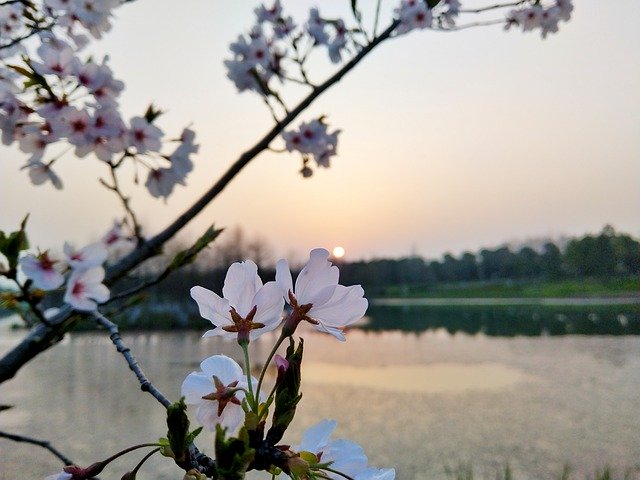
(12, 245)
(178, 424)
(152, 113)
(287, 394)
(233, 455)
(189, 255)
(432, 3)
(165, 448)
(354, 9)
(21, 70)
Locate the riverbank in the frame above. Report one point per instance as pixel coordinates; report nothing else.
(560, 289)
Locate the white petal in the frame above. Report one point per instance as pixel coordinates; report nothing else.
(240, 285)
(336, 332)
(316, 275)
(283, 278)
(348, 457)
(347, 305)
(207, 414)
(196, 386)
(232, 417)
(92, 275)
(315, 438)
(95, 254)
(99, 292)
(269, 303)
(223, 367)
(211, 306)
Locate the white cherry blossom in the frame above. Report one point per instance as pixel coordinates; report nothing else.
(320, 298)
(217, 391)
(92, 255)
(40, 173)
(85, 289)
(42, 270)
(144, 136)
(346, 456)
(248, 308)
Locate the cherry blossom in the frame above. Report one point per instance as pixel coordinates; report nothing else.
(42, 271)
(115, 237)
(319, 298)
(248, 308)
(144, 135)
(345, 456)
(39, 173)
(217, 391)
(539, 16)
(85, 289)
(92, 255)
(413, 14)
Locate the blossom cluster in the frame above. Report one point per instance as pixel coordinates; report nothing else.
(274, 39)
(312, 138)
(73, 18)
(84, 287)
(538, 16)
(77, 102)
(224, 394)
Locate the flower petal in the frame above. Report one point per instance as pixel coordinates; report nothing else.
(211, 306)
(223, 367)
(240, 285)
(347, 305)
(196, 386)
(316, 275)
(283, 278)
(315, 438)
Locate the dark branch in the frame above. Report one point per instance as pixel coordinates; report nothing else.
(114, 335)
(41, 443)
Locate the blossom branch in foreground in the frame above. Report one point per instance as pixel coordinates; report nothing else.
(41, 337)
(41, 443)
(145, 383)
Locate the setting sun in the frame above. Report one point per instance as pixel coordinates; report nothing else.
(338, 252)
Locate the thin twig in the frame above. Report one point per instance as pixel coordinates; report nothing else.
(34, 31)
(470, 25)
(115, 188)
(114, 335)
(493, 7)
(377, 19)
(41, 443)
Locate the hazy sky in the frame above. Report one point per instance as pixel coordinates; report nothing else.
(450, 141)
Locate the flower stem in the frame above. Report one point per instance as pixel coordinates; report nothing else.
(337, 472)
(253, 400)
(268, 360)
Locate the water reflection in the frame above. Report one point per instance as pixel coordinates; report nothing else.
(507, 320)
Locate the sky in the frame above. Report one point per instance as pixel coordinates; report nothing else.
(450, 141)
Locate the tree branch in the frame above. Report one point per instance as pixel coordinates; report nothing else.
(114, 335)
(41, 443)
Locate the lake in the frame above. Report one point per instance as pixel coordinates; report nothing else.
(421, 388)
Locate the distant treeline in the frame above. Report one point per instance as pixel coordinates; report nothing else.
(606, 255)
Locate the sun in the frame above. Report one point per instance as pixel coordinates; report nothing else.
(338, 252)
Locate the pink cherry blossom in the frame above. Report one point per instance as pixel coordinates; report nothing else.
(92, 255)
(85, 289)
(42, 271)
